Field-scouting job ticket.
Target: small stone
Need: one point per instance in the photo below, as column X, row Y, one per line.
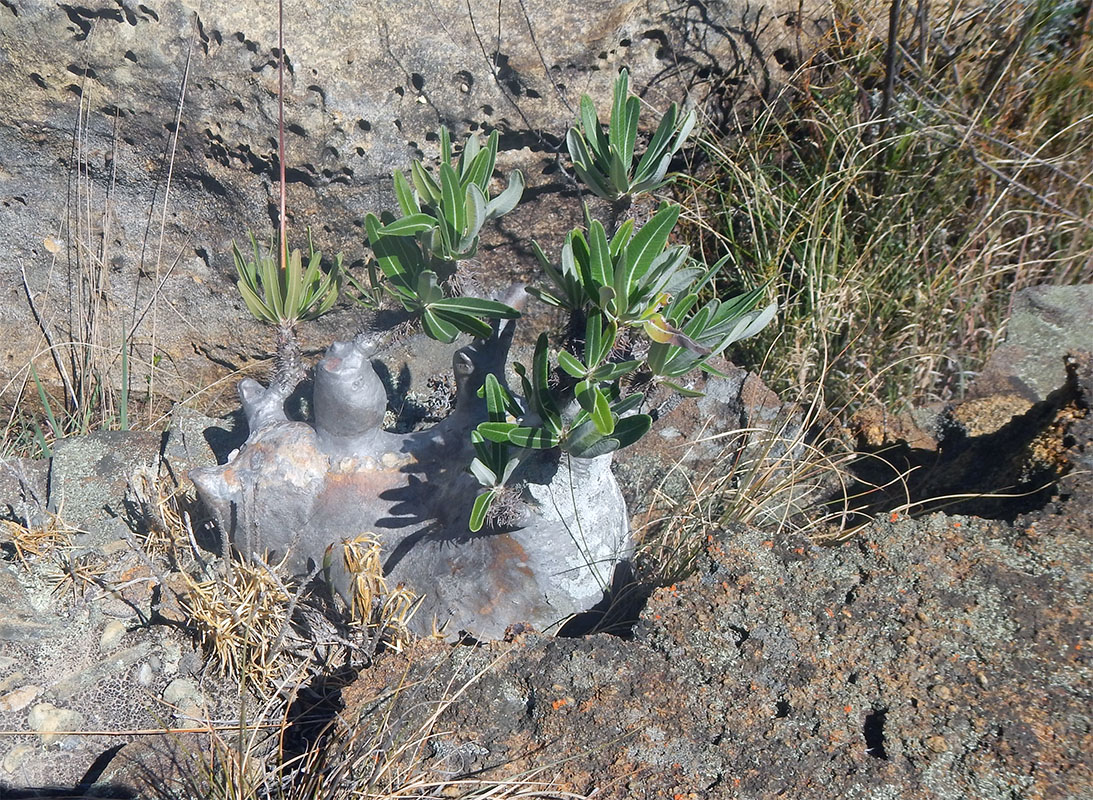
column 6, row 662
column 20, row 698
column 111, row 635
column 48, row 721
column 937, row 744
column 145, row 674
column 182, row 693
column 14, row 679
column 15, row 758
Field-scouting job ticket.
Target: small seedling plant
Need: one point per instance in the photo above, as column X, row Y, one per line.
column 641, row 311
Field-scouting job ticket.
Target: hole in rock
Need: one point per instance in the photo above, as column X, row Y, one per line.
column 873, row 731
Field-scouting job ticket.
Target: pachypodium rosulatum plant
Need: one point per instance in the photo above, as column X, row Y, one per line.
column 285, row 295
column 417, row 254
column 634, row 299
column 605, row 161
column 282, row 292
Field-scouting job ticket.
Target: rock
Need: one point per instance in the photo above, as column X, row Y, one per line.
column 184, row 698
column 89, row 475
column 20, row 698
column 1047, row 322
column 361, row 99
column 112, row 634
column 20, row 622
column 53, row 723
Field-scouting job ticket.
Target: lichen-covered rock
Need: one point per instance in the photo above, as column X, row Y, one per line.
column 140, row 139
column 299, row 491
column 944, row 657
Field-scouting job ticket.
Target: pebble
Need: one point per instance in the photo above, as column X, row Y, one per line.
column 182, row 693
column 11, row 680
column 20, row 698
column 46, row 719
column 111, row 635
column 15, row 758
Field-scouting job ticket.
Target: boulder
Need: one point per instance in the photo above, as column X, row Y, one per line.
column 139, row 142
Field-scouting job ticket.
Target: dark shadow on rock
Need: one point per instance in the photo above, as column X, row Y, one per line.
column 619, row 610
column 224, row 440
column 1000, row 475
column 313, row 711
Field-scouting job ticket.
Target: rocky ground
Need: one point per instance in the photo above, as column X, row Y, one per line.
column 928, row 655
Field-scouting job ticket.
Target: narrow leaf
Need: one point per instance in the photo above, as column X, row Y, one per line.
column 479, row 510
column 570, row 364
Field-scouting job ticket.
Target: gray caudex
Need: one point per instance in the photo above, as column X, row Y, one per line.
column 298, row 491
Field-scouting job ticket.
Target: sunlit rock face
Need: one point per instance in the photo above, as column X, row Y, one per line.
column 294, row 490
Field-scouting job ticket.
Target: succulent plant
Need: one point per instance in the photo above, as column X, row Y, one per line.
column 605, row 161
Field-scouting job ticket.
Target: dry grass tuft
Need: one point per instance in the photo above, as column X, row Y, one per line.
column 37, row 541
column 897, row 243
column 242, row 619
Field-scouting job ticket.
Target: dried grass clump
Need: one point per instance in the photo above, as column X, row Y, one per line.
column 242, row 619
column 385, row 612
column 37, row 541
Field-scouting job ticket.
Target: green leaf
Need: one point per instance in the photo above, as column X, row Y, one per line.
column 477, row 307
column 404, row 193
column 385, row 248
column 540, row 380
column 618, row 172
column 629, row 429
column 592, row 130
column 480, row 510
column 484, row 475
column 627, row 404
column 427, row 187
column 445, row 144
column 534, row 438
column 629, row 131
column 507, row 200
column 683, row 390
column 451, row 200
column 496, row 407
column 570, row 364
column 593, row 400
column 409, row 225
column 467, row 159
column 475, row 203
column 658, row 144
column 600, row 267
column 650, row 241
column 496, row 431
column 437, row 328
column 617, row 125
column 612, row 372
column 465, row 322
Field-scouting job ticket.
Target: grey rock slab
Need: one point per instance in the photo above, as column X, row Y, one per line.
column 89, row 474
column 20, row 621
column 1047, row 323
column 366, row 87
